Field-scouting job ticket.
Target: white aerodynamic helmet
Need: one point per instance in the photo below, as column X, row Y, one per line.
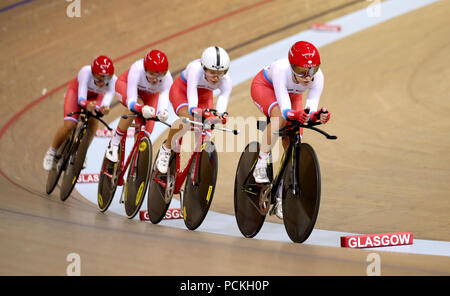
column 215, row 58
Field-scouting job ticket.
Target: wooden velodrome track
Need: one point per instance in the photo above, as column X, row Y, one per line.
column 387, row 88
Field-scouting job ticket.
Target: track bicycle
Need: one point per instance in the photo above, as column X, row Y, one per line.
column 138, row 164
column 299, row 179
column 199, row 176
column 70, row 156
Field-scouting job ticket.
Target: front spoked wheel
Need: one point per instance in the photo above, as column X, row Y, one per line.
column 138, row 177
column 301, row 206
column 107, row 183
column 246, row 193
column 75, row 163
column 60, row 162
column 200, row 185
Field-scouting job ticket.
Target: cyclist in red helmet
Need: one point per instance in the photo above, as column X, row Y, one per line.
column 92, row 89
column 277, row 92
column 143, row 89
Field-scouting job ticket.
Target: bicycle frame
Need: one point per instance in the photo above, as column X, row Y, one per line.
column 292, row 152
column 254, row 188
column 64, row 157
column 82, row 124
column 291, row 131
column 84, row 119
column 123, row 167
column 181, row 174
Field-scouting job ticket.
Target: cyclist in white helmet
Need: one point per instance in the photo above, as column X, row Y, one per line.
column 192, row 92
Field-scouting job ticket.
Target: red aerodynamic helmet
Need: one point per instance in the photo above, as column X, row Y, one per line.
column 304, row 58
column 156, row 61
column 102, row 66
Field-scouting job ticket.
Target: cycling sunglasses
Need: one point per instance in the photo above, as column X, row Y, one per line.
column 102, row 78
column 304, row 71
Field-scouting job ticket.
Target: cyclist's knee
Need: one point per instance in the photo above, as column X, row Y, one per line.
column 92, row 124
column 285, row 142
column 176, row 125
column 184, row 112
column 69, row 125
column 276, row 118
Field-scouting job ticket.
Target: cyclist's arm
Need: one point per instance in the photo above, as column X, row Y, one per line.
column 224, row 97
column 314, row 93
column 193, row 75
column 132, row 89
column 83, row 79
column 109, row 95
column 163, row 102
column 279, row 79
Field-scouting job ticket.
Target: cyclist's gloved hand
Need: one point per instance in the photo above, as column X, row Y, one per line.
column 323, row 115
column 136, row 108
column 210, row 117
column 298, row 115
column 163, row 115
column 207, row 116
column 83, row 103
column 148, row 112
column 100, row 110
column 91, row 107
column 224, row 117
column 104, row 110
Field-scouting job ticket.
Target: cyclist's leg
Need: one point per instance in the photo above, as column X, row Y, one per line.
column 150, row 99
column 124, row 124
column 205, row 100
column 263, row 95
column 62, row 133
column 92, row 126
column 297, row 104
column 70, row 123
column 277, row 121
column 178, row 129
column 178, row 98
column 93, row 123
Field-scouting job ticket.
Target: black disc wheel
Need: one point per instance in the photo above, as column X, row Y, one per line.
column 200, row 185
column 138, row 177
column 246, row 193
column 75, row 163
column 301, row 204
